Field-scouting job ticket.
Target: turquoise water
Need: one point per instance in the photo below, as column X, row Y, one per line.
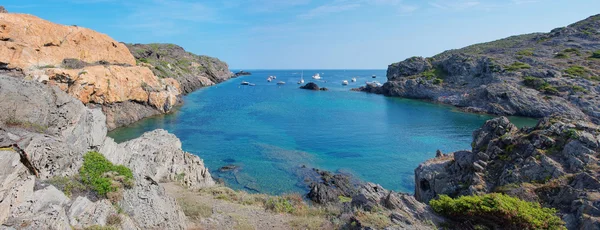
column 269, row 131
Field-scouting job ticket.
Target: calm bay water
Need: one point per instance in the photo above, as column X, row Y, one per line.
column 269, row 130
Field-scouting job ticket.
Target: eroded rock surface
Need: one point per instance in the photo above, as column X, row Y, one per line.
column 54, row 131
column 88, row 65
column 554, row 163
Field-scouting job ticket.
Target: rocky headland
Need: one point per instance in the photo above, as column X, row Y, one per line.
column 533, row 75
column 102, row 72
column 172, row 61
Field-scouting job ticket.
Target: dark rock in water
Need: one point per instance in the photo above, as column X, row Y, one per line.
column 228, row 168
column 312, row 86
column 242, row 73
column 3, row 10
column 369, row 88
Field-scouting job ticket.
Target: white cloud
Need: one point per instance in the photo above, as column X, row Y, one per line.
column 454, row 4
column 329, row 9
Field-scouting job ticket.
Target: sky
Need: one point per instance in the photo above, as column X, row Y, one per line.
column 311, row 34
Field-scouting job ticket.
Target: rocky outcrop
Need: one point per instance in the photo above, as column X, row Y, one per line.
column 313, row 86
column 53, row 131
column 88, row 65
column 172, row 61
column 242, row 73
column 554, row 163
column 534, row 75
column 348, row 193
column 3, row 10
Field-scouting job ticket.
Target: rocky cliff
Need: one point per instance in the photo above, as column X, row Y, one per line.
column 86, row 64
column 554, row 163
column 44, row 134
column 172, row 61
column 532, row 75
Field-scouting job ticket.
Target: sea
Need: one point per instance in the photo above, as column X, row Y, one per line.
column 267, row 131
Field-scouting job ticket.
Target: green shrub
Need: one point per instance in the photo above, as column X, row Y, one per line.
column 517, row 66
column 438, row 81
column 279, row 205
column 102, row 176
column 344, row 199
column 434, row 73
column 533, row 82
column 499, row 208
column 577, row 88
column 596, row 54
column 562, row 56
column 571, row 50
column 576, row 70
column 526, row 52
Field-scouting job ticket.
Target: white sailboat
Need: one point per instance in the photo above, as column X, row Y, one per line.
column 345, row 82
column 301, row 78
column 353, row 79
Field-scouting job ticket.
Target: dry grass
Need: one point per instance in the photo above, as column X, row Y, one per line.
column 195, row 210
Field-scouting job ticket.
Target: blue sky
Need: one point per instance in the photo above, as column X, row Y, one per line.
column 304, row 34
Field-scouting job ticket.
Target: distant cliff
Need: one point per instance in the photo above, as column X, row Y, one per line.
column 172, row 61
column 532, row 75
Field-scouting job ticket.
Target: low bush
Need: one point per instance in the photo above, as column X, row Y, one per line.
column 526, row 52
column 577, row 71
column 68, row 185
column 500, row 209
column 103, row 177
column 561, row 56
column 596, row 54
column 438, row 81
column 517, row 66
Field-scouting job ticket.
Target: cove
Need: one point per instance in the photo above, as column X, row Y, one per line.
column 269, row 131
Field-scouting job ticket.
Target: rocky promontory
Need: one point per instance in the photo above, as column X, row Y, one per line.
column 172, row 61
column 533, row 75
column 554, row 163
column 313, row 86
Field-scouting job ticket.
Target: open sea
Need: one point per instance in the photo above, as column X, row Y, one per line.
column 268, row 131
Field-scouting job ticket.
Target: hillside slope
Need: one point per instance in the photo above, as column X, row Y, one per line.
column 172, row 61
column 532, row 75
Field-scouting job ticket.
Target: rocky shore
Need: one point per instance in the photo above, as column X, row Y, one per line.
column 533, row 75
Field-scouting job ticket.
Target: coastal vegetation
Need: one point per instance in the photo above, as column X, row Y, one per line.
column 106, row 179
column 498, row 209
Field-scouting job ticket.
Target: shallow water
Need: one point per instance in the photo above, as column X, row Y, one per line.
column 269, row 130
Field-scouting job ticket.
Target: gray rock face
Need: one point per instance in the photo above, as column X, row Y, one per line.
column 54, row 131
column 168, row 162
column 126, row 113
column 534, row 75
column 190, row 70
column 554, row 163
column 3, row 10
